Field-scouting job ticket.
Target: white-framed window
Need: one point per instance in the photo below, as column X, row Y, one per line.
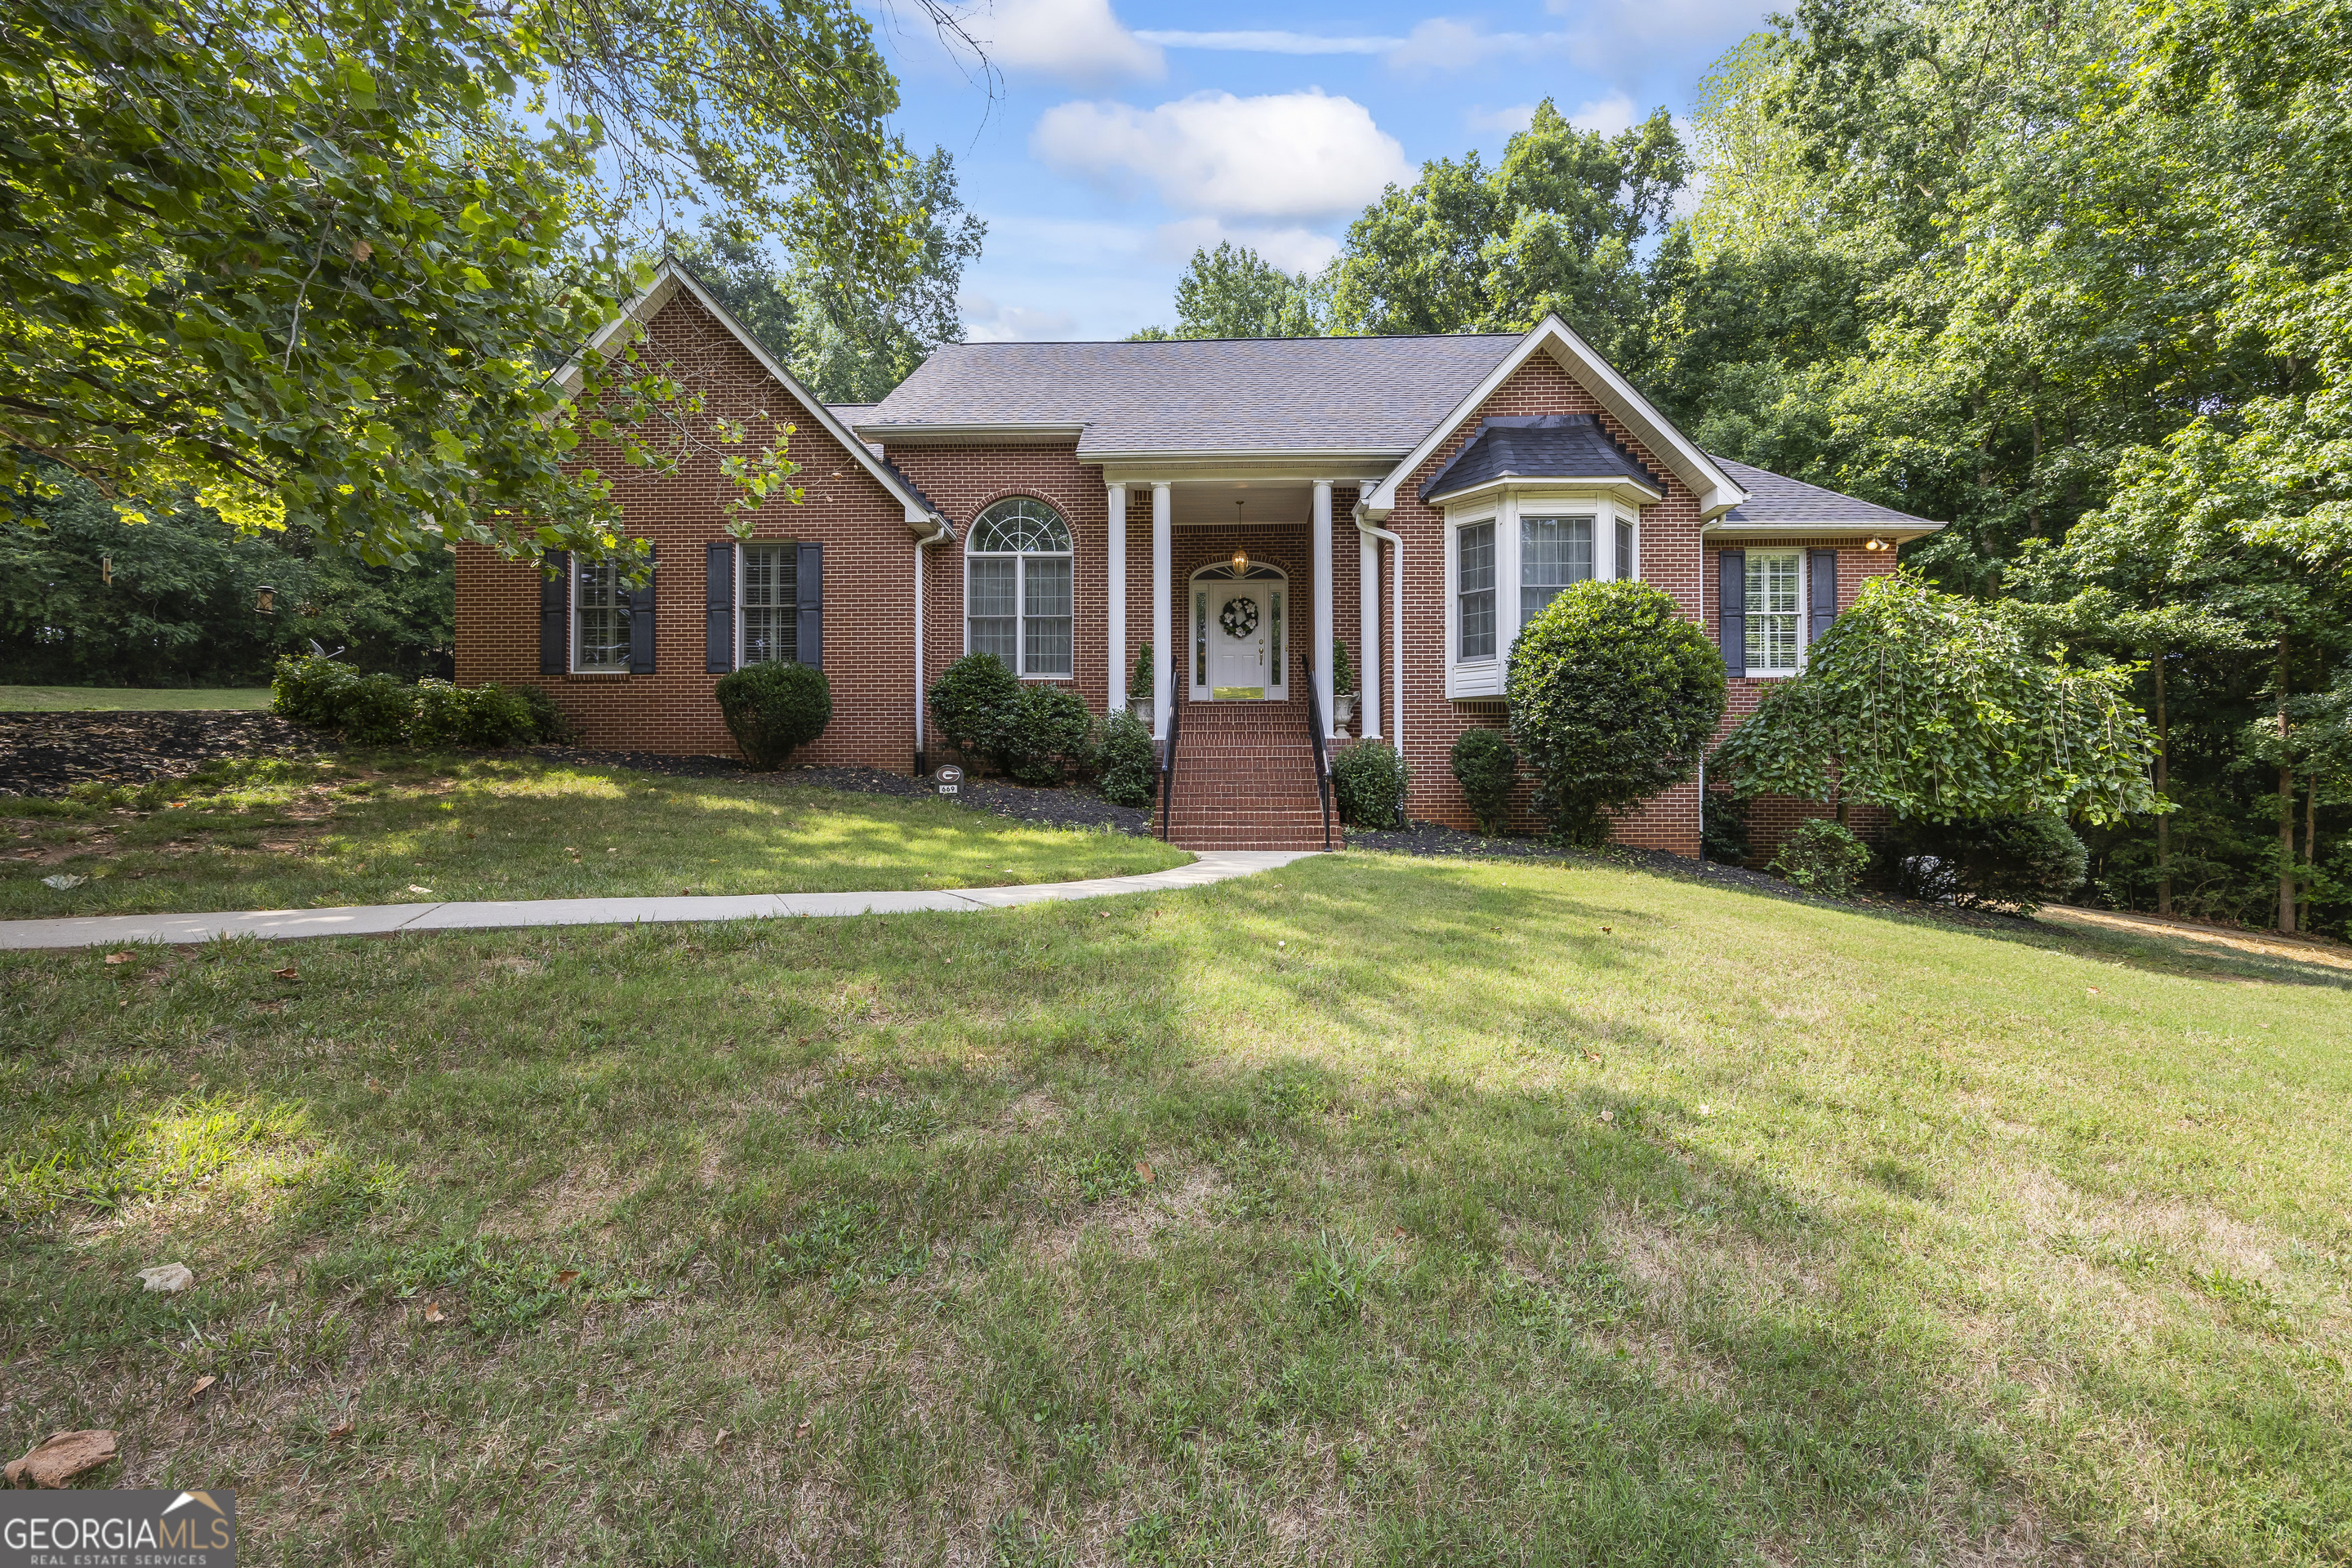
column 600, row 619
column 1628, row 552
column 1775, row 611
column 1474, row 577
column 1554, row 553
column 767, row 605
column 1017, row 588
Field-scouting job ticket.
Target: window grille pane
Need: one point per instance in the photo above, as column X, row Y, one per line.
column 1200, row 638
column 602, row 629
column 1475, row 582
column 1278, row 674
column 1046, row 587
column 1554, row 552
column 1047, row 650
column 770, row 617
column 1773, row 596
column 1628, row 569
column 1019, row 525
column 993, row 603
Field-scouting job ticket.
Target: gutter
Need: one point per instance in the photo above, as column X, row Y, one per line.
column 941, row 533
column 1396, row 621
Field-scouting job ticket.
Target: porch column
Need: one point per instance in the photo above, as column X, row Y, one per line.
column 1115, row 563
column 1368, row 636
column 1321, row 647
column 1163, row 636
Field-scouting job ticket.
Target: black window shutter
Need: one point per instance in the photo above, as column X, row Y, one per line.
column 555, row 614
column 641, row 624
column 810, row 639
column 1731, row 629
column 718, row 640
column 1821, row 566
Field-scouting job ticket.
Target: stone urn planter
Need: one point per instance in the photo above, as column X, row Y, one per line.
column 1140, row 707
column 1343, row 709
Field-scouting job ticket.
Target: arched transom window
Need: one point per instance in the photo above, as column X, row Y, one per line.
column 1017, row 587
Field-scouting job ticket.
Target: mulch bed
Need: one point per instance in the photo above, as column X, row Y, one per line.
column 47, row 754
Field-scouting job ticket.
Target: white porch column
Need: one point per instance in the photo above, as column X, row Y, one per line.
column 1115, row 564
column 1163, row 636
column 1321, row 646
column 1368, row 636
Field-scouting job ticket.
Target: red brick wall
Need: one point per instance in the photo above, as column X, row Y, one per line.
column 1772, row 817
column 868, row 653
column 1671, row 558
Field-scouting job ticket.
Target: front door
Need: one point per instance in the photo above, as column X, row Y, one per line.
column 1241, row 628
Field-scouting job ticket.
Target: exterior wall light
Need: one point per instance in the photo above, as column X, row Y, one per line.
column 1876, row 542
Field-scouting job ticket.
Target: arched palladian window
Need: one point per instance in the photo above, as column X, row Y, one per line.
column 1017, row 587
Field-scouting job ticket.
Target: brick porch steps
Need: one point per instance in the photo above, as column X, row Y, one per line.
column 1245, row 778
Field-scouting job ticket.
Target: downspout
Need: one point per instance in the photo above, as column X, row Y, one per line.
column 939, row 534
column 1396, row 623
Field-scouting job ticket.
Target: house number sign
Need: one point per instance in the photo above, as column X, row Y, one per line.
column 950, row 779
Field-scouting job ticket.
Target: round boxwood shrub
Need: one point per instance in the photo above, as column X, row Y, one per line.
column 971, row 702
column 1822, row 856
column 1486, row 767
column 2016, row 862
column 1368, row 781
column 488, row 716
column 1047, row 734
column 1127, row 765
column 1614, row 696
column 549, row 725
column 773, row 710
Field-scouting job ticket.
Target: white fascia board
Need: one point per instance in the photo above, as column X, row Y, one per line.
column 1894, row 531
column 667, row 281
column 1356, row 467
column 1615, row 486
column 1715, row 489
column 1011, row 434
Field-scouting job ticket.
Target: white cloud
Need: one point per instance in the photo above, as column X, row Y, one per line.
column 1607, row 115
column 986, row 322
column 1270, row 42
column 1508, row 120
column 1286, row 155
column 1603, row 33
column 1290, row 247
column 1076, row 40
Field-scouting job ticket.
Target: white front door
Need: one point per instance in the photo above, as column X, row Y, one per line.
column 1241, row 629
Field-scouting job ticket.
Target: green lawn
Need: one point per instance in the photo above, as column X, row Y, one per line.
column 1371, row 1210
column 398, row 828
column 113, row 698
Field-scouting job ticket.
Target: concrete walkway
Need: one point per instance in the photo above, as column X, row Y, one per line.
column 386, row 919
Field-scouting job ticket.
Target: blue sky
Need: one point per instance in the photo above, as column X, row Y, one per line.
column 1126, row 132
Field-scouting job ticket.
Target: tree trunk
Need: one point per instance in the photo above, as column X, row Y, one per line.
column 2310, row 844
column 2286, row 806
column 2163, row 780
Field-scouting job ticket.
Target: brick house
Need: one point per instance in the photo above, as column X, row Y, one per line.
column 1237, row 505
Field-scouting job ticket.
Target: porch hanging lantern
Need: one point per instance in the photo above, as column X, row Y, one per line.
column 1241, row 562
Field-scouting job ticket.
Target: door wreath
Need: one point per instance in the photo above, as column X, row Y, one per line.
column 1239, row 617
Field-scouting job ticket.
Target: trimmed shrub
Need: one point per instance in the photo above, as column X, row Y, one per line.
column 1822, row 856
column 306, row 688
column 549, row 725
column 1368, row 781
column 377, row 710
column 1486, row 767
column 2015, row 862
column 1723, row 827
column 1614, row 696
column 1047, row 735
column 774, row 710
column 971, row 702
column 1139, row 684
column 488, row 716
column 1127, row 765
column 1343, row 674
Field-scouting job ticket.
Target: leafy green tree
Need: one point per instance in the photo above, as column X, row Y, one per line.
column 1932, row 707
column 1234, row 292
column 1614, row 694
column 1554, row 227
column 310, row 262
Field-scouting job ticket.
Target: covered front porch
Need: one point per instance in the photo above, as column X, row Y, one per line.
column 1244, row 582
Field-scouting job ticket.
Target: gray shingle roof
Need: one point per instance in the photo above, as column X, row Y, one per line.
column 1538, row 446
column 1220, row 395
column 1776, row 497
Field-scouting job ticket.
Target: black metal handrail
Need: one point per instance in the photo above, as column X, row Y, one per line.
column 1322, row 757
column 1167, row 753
